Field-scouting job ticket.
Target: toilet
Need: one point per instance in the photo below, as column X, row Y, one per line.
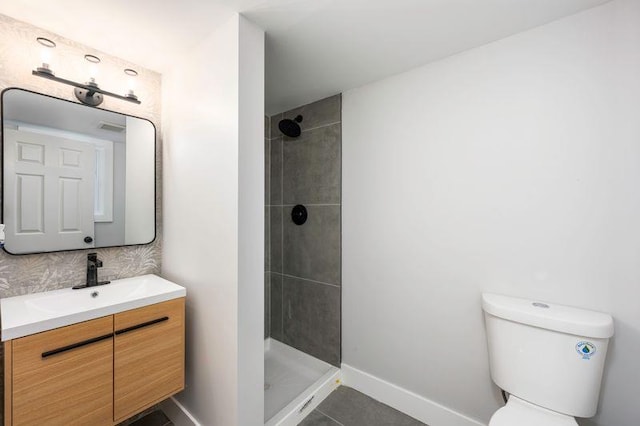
column 549, row 359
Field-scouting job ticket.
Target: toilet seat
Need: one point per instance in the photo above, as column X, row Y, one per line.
column 519, row 412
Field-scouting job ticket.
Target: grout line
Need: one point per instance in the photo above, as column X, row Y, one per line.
column 308, row 130
column 320, row 127
column 282, row 235
column 268, row 209
column 313, row 205
column 307, row 279
column 326, row 415
column 306, row 204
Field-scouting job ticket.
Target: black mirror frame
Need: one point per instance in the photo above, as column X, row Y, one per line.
column 155, row 172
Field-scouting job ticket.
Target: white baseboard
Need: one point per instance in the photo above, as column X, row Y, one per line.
column 176, row 412
column 414, row 405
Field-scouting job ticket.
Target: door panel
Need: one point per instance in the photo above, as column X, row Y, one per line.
column 30, row 202
column 48, row 192
column 70, row 205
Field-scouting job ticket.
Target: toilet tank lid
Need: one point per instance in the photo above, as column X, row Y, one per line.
column 565, row 319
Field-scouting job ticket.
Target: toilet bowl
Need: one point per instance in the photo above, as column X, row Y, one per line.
column 549, row 358
column 519, row 412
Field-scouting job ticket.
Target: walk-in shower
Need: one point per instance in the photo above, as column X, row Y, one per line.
column 302, row 259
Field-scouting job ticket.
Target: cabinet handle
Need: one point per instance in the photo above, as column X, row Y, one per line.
column 144, row 324
column 76, row 345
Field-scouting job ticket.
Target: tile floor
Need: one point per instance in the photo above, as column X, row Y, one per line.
column 344, row 407
column 154, row 418
column 348, row 407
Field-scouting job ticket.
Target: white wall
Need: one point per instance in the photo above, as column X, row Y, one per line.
column 213, row 149
column 512, row 168
column 251, row 225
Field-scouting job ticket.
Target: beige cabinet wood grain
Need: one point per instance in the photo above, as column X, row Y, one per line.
column 98, row 372
column 64, row 376
column 149, row 356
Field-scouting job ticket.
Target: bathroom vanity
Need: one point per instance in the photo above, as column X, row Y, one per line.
column 94, row 356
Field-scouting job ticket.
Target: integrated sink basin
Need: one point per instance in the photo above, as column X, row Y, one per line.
column 34, row 313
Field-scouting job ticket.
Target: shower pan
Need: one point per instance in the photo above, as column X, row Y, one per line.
column 295, row 383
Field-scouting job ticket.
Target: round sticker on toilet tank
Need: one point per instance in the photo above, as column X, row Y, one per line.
column 586, row 349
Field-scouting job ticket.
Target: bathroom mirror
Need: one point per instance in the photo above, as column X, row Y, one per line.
column 74, row 177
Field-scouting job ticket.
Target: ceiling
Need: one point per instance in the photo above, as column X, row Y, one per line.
column 315, row 48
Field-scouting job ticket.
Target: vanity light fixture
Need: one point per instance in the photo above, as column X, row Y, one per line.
column 132, row 83
column 46, row 51
column 93, row 61
column 88, row 93
column 90, row 96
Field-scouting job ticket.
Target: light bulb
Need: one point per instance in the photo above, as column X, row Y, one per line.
column 93, row 67
column 46, row 54
column 131, row 82
column 93, row 71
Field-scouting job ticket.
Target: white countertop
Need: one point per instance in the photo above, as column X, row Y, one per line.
column 37, row 312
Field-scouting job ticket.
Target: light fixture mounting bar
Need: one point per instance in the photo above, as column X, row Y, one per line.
column 88, row 88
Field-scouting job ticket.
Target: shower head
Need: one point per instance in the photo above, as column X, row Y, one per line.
column 290, row 127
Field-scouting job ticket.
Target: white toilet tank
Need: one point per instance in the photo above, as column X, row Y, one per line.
column 549, row 355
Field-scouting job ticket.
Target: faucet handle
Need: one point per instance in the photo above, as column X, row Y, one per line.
column 93, row 258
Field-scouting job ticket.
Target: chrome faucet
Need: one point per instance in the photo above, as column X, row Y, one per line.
column 93, row 263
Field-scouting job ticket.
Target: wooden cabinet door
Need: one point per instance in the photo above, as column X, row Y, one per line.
column 149, row 356
column 64, row 376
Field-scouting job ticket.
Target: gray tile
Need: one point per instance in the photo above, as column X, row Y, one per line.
column 275, row 178
column 155, row 418
column 319, row 113
column 267, row 238
column 353, row 408
column 267, row 171
column 316, row 418
column 275, row 238
column 311, row 167
column 267, row 304
column 311, row 321
column 276, row 306
column 312, row 250
column 274, row 132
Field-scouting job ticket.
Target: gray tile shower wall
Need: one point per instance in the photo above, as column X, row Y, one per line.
column 18, row 56
column 304, row 261
column 311, row 318
column 312, row 251
column 277, row 316
column 267, row 230
column 311, row 167
column 275, row 230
